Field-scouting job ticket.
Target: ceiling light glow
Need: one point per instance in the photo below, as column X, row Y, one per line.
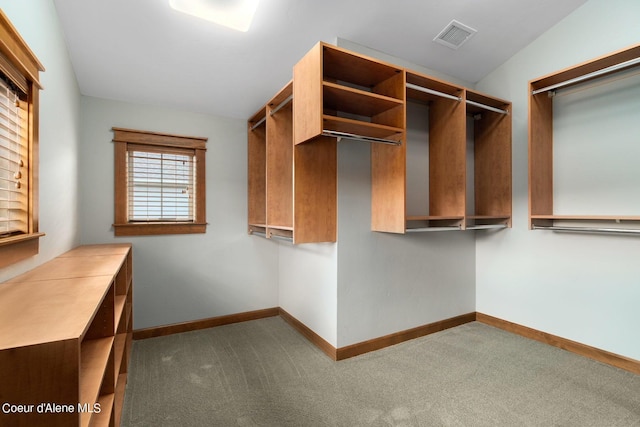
column 236, row 14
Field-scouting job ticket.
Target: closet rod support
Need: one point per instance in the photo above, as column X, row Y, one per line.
column 432, row 92
column 345, row 135
column 487, row 107
column 282, row 104
column 592, row 75
column 587, row 229
column 259, row 122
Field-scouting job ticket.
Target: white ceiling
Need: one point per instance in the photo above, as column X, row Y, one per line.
column 143, row 51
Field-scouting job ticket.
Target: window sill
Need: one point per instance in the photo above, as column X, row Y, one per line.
column 155, row 228
column 17, row 248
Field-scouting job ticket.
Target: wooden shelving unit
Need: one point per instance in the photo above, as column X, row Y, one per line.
column 340, row 91
column 292, row 189
column 338, row 94
column 541, row 91
column 65, row 338
column 447, row 189
column 491, row 161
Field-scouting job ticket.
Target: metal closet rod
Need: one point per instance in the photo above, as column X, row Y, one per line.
column 426, row 229
column 282, row 104
column 486, row 226
column 588, row 76
column 336, row 134
column 259, row 122
column 487, row 107
column 587, row 229
column 273, row 236
column 433, row 92
column 275, row 110
column 455, row 98
column 278, row 237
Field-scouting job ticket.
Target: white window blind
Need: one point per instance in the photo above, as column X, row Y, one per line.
column 13, row 164
column 161, row 185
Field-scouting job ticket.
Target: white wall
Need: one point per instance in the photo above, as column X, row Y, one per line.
column 181, row 277
column 582, row 287
column 388, row 282
column 37, row 23
column 308, row 286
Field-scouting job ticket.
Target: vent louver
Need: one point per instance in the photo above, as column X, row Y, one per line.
column 454, row 35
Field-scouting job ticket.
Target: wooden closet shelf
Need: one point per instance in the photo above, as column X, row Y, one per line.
column 355, row 101
column 342, row 65
column 106, row 407
column 357, row 127
column 94, row 356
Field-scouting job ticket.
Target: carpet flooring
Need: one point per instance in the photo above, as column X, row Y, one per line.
column 263, row 373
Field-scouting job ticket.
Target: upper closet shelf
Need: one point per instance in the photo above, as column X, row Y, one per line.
column 597, row 68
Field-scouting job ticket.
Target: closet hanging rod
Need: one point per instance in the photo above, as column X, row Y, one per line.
column 487, row 107
column 486, row 226
column 425, row 229
column 598, row 73
column 259, row 122
column 587, row 229
column 273, row 236
column 282, row 104
column 336, row 134
column 433, row 92
column 278, row 237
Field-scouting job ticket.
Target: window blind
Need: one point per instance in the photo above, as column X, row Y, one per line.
column 13, row 160
column 161, row 185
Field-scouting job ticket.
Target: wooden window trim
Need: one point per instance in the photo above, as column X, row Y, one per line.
column 125, row 137
column 25, row 64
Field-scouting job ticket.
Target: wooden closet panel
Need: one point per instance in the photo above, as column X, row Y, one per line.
column 315, row 191
column 388, row 187
column 257, row 153
column 492, row 164
column 540, row 154
column 50, row 368
column 307, row 92
column 280, row 167
column 447, row 161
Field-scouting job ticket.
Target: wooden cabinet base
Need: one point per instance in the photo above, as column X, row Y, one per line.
column 65, row 331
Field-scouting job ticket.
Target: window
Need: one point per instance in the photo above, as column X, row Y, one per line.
column 19, row 95
column 159, row 183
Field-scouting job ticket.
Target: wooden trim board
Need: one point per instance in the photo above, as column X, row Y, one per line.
column 194, row 325
column 315, row 339
column 402, row 336
column 346, row 352
column 596, row 354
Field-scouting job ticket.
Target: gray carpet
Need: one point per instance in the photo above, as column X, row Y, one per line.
column 263, row 373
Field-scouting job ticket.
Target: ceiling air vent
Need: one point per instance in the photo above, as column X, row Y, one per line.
column 454, row 35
